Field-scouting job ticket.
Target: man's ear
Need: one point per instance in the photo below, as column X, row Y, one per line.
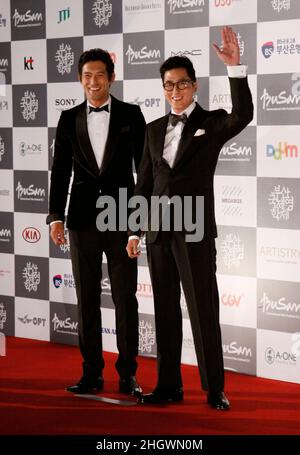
column 113, row 77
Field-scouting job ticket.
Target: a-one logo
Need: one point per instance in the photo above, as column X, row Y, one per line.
column 32, row 277
column 187, row 53
column 30, row 193
column 281, row 203
column 30, row 149
column 37, row 321
column 57, row 281
column 63, row 15
column 279, row 306
column 31, row 234
column 28, row 63
column 185, row 6
column 143, row 55
column 146, row 336
column 28, row 19
column 29, row 105
column 279, row 5
column 267, row 49
column 283, row 101
column 3, row 21
column 5, row 235
column 2, row 316
column 233, row 251
column 237, row 350
column 147, row 102
column 235, row 152
column 102, row 10
column 2, row 148
column 231, row 300
column 283, row 357
column 64, row 325
column 65, row 59
column 283, row 150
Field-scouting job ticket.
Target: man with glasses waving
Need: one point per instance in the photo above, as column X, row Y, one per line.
column 180, row 156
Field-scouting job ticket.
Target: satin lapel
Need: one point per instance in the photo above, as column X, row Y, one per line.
column 193, row 123
column 84, row 140
column 113, row 134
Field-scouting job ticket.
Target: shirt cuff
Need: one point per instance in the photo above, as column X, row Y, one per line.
column 133, row 237
column 55, row 222
column 238, row 71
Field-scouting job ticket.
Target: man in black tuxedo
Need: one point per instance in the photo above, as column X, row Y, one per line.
column 180, row 155
column 98, row 140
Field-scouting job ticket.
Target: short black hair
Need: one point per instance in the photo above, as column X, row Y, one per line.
column 178, row 62
column 94, row 55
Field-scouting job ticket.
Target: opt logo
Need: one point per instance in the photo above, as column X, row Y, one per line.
column 57, row 280
column 267, row 49
column 31, row 235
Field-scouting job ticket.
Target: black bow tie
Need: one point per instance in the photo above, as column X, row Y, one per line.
column 174, row 119
column 98, row 109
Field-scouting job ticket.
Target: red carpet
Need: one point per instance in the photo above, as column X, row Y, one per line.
column 33, row 401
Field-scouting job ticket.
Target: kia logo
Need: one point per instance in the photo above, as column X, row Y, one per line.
column 31, row 234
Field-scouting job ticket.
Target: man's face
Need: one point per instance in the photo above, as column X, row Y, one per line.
column 95, row 82
column 179, row 99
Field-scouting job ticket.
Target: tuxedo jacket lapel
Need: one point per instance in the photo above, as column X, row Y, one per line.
column 113, row 134
column 84, row 140
column 158, row 136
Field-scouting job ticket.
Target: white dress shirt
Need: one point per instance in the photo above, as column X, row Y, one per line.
column 97, row 125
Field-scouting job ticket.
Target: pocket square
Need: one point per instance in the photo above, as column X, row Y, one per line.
column 199, row 132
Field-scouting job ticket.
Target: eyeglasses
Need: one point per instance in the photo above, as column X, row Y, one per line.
column 181, row 85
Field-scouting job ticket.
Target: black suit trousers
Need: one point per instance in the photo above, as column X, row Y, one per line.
column 87, row 247
column 171, row 260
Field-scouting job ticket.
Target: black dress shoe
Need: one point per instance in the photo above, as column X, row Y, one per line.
column 159, row 396
column 218, row 401
column 85, row 385
column 129, row 386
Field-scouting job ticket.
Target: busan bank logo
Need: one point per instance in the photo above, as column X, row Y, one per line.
column 102, row 10
column 28, row 19
column 142, row 56
column 267, row 49
column 185, row 6
column 280, row 357
column 281, row 203
column 282, row 151
column 57, row 281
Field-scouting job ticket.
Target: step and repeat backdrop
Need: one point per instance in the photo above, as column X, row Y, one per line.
column 257, row 183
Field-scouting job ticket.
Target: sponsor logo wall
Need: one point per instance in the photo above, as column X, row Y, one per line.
column 257, row 177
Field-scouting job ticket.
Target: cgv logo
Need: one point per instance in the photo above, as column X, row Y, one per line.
column 283, row 150
column 231, row 300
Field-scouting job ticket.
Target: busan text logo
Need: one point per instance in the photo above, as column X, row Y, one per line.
column 30, row 193
column 142, row 56
column 282, row 357
column 147, row 102
column 283, row 101
column 2, row 148
column 102, row 10
column 279, row 5
column 235, row 152
column 283, row 150
column 64, row 325
column 31, row 235
column 233, row 251
column 29, row 105
column 63, row 15
column 267, row 49
column 186, row 6
column 32, row 277
column 57, row 281
column 282, row 203
column 30, row 149
column 146, row 337
column 29, row 19
column 2, row 316
column 3, row 21
column 5, row 235
column 64, row 58
column 234, row 350
column 279, row 307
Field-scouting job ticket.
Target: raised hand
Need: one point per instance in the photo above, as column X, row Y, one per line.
column 229, row 54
